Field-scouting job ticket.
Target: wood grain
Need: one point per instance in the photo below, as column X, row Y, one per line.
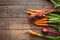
column 17, row 35
column 14, row 21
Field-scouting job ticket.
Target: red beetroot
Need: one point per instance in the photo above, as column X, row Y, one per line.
column 44, row 30
column 49, row 32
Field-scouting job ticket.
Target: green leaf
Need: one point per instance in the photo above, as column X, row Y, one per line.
column 53, row 18
column 57, row 5
column 53, row 1
column 57, row 1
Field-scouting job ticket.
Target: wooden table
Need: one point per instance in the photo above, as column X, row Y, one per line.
column 14, row 21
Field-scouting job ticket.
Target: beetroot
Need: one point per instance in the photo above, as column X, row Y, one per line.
column 49, row 32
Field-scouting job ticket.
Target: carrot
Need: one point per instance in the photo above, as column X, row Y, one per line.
column 43, row 24
column 31, row 32
column 44, row 20
column 40, row 22
column 29, row 12
column 32, row 10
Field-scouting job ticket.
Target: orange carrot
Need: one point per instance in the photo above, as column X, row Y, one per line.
column 31, row 32
column 39, row 21
column 32, row 10
column 45, row 19
column 29, row 12
column 42, row 19
column 42, row 24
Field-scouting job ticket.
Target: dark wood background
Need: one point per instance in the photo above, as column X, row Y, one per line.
column 14, row 21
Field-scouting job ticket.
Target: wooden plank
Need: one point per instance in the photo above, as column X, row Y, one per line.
column 17, row 35
column 16, row 23
column 43, row 2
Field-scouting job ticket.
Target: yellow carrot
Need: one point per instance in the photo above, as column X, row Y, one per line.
column 31, row 32
column 32, row 10
column 29, row 12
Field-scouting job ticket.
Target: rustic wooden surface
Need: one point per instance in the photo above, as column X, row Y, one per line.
column 14, row 21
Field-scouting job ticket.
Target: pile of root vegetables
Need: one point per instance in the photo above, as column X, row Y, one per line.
column 46, row 18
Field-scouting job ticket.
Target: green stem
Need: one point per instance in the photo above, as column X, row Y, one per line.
column 53, row 18
column 53, row 1
column 56, row 3
column 49, row 37
column 57, row 26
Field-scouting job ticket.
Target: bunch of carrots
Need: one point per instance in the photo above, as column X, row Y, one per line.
column 40, row 17
column 45, row 18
